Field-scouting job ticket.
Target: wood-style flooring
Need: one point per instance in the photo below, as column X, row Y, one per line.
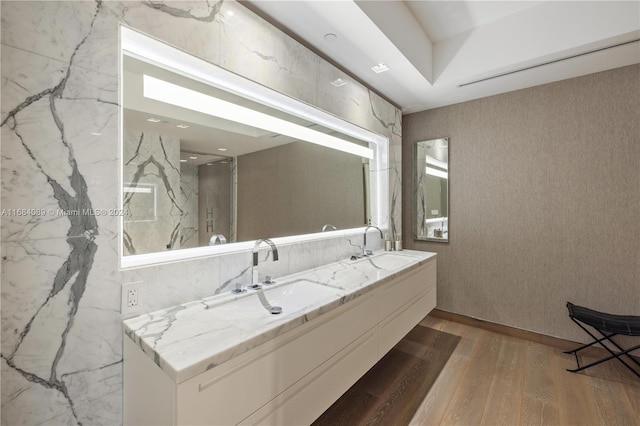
column 392, row 390
column 495, row 379
column 487, row 378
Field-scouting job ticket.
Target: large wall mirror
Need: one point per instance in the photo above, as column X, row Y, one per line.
column 431, row 190
column 212, row 159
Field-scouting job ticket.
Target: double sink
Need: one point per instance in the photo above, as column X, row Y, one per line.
column 298, row 294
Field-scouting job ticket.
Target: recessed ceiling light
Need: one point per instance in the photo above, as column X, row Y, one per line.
column 380, row 68
column 330, row 37
column 222, row 149
column 224, row 162
column 153, row 120
column 96, row 134
column 183, row 161
column 338, row 82
column 209, row 164
column 193, row 157
column 229, row 12
column 182, row 126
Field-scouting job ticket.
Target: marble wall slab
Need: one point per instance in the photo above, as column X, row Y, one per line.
column 61, row 344
column 153, row 198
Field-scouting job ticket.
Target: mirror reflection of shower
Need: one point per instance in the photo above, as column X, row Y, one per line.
column 206, row 188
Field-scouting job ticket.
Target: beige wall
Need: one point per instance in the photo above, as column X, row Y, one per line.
column 296, row 189
column 545, row 201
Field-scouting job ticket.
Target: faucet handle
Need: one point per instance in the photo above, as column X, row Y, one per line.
column 238, row 289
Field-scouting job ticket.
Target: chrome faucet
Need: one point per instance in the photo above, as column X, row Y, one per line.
column 254, row 274
column 327, row 226
column 217, row 239
column 366, row 252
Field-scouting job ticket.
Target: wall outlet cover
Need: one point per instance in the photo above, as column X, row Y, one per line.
column 132, row 298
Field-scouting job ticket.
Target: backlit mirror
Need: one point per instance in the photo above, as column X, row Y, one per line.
column 431, row 190
column 212, row 159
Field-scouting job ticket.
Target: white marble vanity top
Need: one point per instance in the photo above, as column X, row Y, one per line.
column 191, row 338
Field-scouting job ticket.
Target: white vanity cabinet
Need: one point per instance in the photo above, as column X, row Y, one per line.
column 292, row 378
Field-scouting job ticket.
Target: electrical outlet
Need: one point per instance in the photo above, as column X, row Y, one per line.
column 131, row 298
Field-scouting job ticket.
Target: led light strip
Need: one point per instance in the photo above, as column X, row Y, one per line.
column 436, row 162
column 437, row 173
column 174, row 94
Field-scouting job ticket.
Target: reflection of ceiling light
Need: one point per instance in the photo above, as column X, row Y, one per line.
column 222, row 149
column 183, row 161
column 338, row 82
column 182, row 126
column 96, row 134
column 137, row 189
column 209, row 164
column 437, row 173
column 380, row 68
column 436, row 162
column 193, row 157
column 153, row 120
column 224, row 162
column 173, row 94
column 229, row 12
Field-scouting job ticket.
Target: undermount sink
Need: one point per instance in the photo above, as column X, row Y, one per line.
column 290, row 297
column 388, row 261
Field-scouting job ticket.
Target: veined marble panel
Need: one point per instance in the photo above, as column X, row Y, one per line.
column 152, row 197
column 61, row 286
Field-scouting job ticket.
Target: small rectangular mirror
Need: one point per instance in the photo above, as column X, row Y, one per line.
column 431, row 190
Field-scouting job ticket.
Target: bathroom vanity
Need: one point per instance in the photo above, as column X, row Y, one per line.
column 227, row 360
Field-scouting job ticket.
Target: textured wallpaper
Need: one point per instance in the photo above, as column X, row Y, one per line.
column 545, row 201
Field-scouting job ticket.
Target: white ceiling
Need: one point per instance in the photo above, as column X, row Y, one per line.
column 433, row 47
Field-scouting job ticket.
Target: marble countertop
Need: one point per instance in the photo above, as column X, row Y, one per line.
column 188, row 339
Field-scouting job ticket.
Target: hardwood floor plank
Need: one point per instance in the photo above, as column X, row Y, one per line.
column 612, row 385
column 433, row 407
column 539, row 394
column 355, row 404
column 400, row 402
column 575, row 394
column 435, row 404
column 633, row 392
column 468, row 402
column 505, row 394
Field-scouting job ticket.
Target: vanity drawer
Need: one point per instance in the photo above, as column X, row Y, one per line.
column 227, row 393
column 406, row 288
column 398, row 324
column 309, row 398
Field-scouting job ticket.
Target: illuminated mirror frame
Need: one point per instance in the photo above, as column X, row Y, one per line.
column 156, row 52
